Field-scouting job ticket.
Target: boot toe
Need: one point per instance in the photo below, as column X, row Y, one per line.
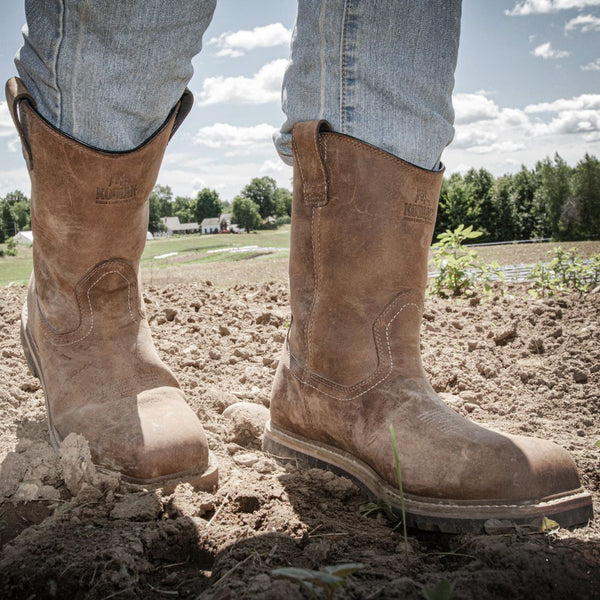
column 148, row 438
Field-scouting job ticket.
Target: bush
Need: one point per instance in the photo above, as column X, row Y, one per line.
column 460, row 269
column 566, row 271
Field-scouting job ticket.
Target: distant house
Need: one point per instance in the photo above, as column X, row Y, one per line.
column 174, row 226
column 212, row 225
column 24, row 237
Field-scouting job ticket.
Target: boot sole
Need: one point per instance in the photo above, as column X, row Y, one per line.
column 430, row 514
column 205, row 480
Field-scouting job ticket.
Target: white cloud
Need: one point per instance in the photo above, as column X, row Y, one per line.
column 546, row 52
column 586, row 23
column 7, row 127
column 14, row 179
column 237, row 43
column 236, row 141
column 540, row 7
column 470, row 108
column 263, row 87
column 582, row 102
column 591, row 66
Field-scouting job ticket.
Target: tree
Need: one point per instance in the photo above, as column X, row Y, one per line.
column 183, row 208
column 155, row 224
column 555, row 196
column 505, row 227
column 479, row 186
column 261, row 190
column 7, row 228
column 163, row 196
column 283, row 202
column 456, row 207
column 586, row 188
column 529, row 218
column 206, row 205
column 245, row 213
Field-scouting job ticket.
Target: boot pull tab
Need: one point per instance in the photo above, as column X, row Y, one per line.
column 308, row 157
column 16, row 92
column 185, row 104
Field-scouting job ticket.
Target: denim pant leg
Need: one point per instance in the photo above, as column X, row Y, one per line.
column 380, row 71
column 108, row 73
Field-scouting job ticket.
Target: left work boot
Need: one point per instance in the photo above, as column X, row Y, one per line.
column 83, row 327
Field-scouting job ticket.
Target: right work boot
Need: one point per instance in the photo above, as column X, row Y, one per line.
column 83, row 327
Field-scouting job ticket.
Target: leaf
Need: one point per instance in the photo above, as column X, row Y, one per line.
column 344, row 569
column 598, row 443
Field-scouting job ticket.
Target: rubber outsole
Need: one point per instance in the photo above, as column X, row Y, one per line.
column 429, row 514
column 201, row 479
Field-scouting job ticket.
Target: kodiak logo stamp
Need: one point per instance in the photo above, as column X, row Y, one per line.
column 118, row 191
column 421, row 209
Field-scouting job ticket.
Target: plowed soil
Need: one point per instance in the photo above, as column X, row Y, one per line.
column 510, row 362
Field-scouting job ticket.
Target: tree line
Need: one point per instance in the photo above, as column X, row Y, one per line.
column 552, row 200
column 260, row 199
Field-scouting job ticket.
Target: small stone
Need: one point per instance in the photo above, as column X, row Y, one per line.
column 536, row 346
column 214, row 355
column 245, row 459
column 580, row 376
column 470, row 407
column 76, row 463
column 224, row 330
column 264, row 465
column 248, row 421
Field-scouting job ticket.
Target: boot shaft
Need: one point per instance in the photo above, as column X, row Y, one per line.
column 362, row 225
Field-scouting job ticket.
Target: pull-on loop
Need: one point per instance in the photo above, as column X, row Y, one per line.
column 16, row 92
column 308, row 157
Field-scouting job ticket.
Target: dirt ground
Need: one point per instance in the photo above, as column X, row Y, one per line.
column 513, row 363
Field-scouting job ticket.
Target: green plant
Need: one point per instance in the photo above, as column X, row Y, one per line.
column 11, row 247
column 566, row 271
column 460, row 270
column 327, row 580
column 399, row 476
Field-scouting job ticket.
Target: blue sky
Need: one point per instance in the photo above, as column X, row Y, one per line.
column 527, row 86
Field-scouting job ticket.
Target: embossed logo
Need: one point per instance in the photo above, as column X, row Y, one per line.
column 119, row 191
column 421, row 209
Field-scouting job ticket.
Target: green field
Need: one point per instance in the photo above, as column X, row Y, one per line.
column 193, row 257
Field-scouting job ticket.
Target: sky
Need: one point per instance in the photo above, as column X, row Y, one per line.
column 527, row 86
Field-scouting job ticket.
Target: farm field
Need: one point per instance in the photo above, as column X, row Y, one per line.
column 220, row 326
column 187, row 258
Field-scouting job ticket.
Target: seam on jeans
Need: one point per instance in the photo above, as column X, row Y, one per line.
column 59, row 103
column 343, row 67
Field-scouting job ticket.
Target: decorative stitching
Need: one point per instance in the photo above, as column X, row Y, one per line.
column 52, row 335
column 364, row 382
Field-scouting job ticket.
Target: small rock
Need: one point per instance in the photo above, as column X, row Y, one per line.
column 248, row 421
column 214, row 355
column 76, row 462
column 224, row 330
column 505, row 335
column 580, row 376
column 245, row 459
column 264, row 465
column 469, row 407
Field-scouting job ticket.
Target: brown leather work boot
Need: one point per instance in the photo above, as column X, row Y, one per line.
column 83, row 327
column 362, row 225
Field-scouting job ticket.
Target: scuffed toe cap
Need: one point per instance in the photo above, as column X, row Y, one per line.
column 153, row 436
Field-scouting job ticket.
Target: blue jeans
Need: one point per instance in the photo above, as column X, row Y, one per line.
column 108, row 73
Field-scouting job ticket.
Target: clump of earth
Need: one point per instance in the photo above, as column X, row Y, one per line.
column 508, row 361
